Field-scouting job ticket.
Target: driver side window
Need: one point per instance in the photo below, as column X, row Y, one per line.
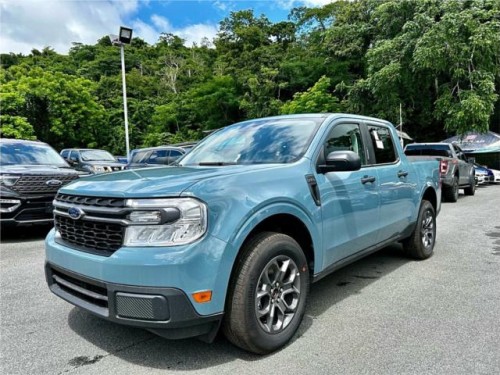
column 346, row 137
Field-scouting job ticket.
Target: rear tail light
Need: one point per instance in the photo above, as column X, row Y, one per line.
column 443, row 166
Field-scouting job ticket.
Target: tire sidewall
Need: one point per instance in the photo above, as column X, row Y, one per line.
column 281, row 245
column 426, row 207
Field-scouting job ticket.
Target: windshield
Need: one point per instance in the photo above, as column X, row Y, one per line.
column 96, row 155
column 29, row 154
column 256, row 142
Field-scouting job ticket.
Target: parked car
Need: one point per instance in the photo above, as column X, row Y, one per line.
column 91, row 160
column 121, row 159
column 157, row 156
column 456, row 170
column 483, row 174
column 496, row 176
column 31, row 172
column 234, row 234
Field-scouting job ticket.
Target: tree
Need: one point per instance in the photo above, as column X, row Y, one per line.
column 316, row 99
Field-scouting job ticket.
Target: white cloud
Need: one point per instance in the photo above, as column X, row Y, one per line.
column 35, row 24
column 289, row 4
column 25, row 25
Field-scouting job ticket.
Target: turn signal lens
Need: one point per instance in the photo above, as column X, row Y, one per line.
column 202, row 297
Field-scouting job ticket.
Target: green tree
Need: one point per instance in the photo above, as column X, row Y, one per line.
column 316, row 99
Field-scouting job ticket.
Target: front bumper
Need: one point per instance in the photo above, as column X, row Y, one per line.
column 159, row 280
column 34, row 210
column 164, row 311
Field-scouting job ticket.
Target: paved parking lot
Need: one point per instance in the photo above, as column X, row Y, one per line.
column 385, row 314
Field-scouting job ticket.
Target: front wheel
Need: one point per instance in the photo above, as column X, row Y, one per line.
column 267, row 297
column 420, row 245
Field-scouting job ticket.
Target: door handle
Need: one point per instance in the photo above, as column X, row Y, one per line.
column 367, row 179
column 402, row 174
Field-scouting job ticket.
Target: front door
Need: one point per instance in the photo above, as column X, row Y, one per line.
column 349, row 200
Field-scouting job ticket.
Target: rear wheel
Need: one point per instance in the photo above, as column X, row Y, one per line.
column 471, row 189
column 451, row 192
column 420, row 245
column 267, row 297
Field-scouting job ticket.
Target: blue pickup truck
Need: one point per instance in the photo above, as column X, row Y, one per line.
column 233, row 234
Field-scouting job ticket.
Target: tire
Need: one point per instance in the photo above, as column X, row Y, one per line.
column 267, row 295
column 471, row 189
column 420, row 245
column 451, row 192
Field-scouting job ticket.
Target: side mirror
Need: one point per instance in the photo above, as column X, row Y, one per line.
column 341, row 161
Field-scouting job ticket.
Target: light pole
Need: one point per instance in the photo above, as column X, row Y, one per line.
column 124, row 37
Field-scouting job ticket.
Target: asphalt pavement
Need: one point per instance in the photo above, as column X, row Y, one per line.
column 385, row 314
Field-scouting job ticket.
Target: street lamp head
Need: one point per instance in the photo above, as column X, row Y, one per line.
column 125, row 35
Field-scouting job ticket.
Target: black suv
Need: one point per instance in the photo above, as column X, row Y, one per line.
column 31, row 172
column 158, row 156
column 91, row 160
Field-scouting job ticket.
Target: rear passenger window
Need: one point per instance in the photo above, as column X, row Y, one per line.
column 382, row 144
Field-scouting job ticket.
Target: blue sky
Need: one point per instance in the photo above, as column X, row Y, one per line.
column 28, row 24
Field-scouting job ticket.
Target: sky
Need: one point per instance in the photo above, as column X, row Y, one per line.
column 36, row 24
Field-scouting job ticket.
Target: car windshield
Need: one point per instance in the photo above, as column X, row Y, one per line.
column 96, row 155
column 140, row 156
column 29, row 154
column 256, row 142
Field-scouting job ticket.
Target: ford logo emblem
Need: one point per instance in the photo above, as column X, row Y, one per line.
column 75, row 213
column 53, row 183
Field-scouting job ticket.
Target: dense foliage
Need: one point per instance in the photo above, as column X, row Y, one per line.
column 438, row 60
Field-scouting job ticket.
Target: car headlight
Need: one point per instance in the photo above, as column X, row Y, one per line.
column 8, row 179
column 98, row 168
column 165, row 222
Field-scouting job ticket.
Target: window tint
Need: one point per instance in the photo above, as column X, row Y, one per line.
column 64, row 153
column 175, row 154
column 158, row 157
column 382, row 144
column 346, row 137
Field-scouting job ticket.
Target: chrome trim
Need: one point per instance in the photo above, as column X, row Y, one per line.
column 94, row 209
column 96, row 218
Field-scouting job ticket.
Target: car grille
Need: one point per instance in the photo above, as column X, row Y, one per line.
column 99, row 231
column 38, row 184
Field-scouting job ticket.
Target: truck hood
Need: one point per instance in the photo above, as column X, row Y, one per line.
column 152, row 182
column 37, row 170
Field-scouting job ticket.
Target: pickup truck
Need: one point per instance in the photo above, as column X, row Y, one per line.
column 456, row 170
column 232, row 235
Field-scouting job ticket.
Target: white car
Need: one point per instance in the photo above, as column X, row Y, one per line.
column 496, row 176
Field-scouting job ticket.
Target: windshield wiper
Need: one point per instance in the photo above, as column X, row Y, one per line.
column 216, row 163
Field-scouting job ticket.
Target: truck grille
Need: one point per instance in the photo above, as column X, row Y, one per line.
column 99, row 231
column 103, row 237
column 40, row 184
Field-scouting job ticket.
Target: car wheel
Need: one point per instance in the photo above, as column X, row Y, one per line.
column 451, row 192
column 471, row 189
column 420, row 245
column 267, row 296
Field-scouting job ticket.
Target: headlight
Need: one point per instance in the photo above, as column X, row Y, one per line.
column 98, row 168
column 169, row 222
column 8, row 179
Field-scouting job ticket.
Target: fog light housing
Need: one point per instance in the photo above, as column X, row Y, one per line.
column 9, row 205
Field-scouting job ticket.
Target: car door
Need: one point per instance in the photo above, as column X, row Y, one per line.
column 396, row 181
column 463, row 166
column 349, row 200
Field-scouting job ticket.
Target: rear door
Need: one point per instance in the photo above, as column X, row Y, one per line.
column 396, row 183
column 349, row 200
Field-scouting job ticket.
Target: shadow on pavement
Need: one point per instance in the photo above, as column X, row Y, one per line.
column 10, row 234
column 142, row 348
